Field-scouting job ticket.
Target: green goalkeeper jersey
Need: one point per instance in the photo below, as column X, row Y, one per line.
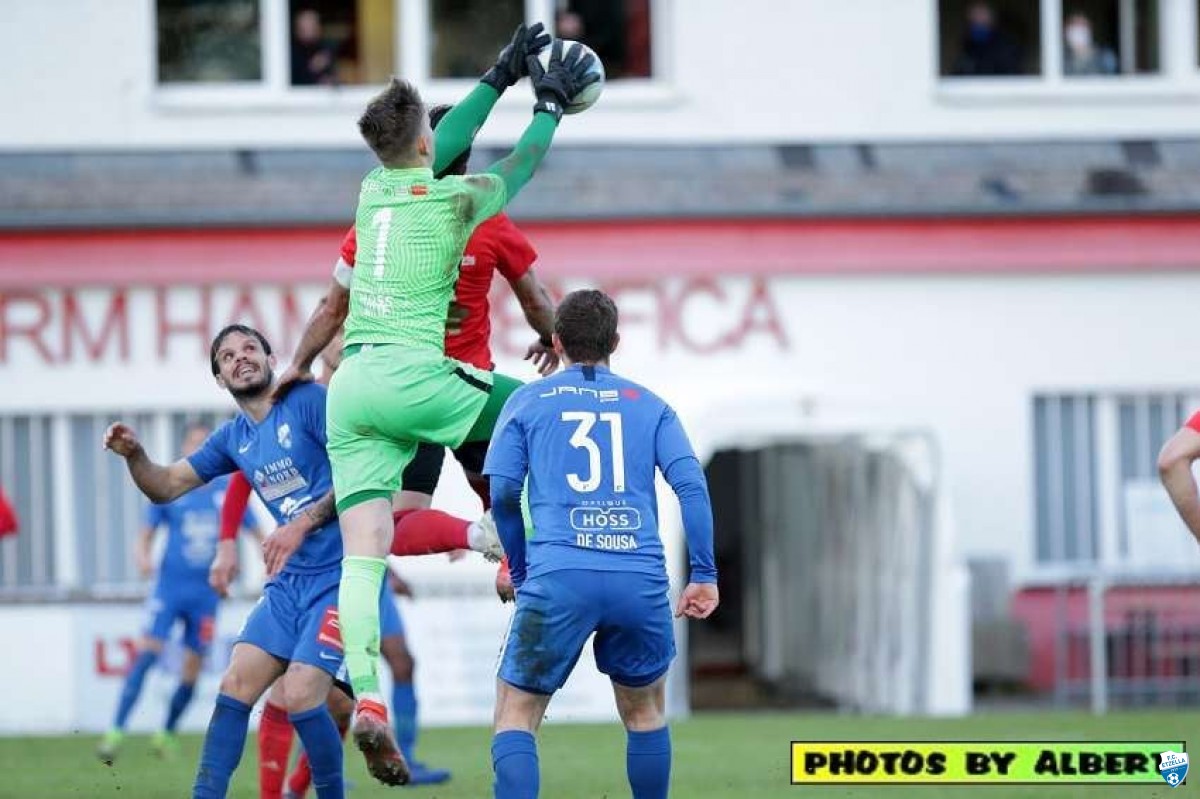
column 411, row 231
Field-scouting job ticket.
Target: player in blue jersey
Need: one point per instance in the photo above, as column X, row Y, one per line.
column 588, row 442
column 293, row 632
column 181, row 594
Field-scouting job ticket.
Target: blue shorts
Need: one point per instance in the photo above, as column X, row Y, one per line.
column 390, row 623
column 556, row 612
column 196, row 607
column 296, row 620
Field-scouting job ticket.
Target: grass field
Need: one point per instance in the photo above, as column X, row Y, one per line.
column 716, row 757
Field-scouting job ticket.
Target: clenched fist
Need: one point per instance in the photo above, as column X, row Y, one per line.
column 121, row 439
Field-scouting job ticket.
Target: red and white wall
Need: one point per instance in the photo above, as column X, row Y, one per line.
column 951, row 326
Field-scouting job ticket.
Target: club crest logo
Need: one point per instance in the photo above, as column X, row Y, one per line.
column 1173, row 766
column 284, row 434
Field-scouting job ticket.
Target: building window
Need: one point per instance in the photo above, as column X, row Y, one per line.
column 1065, row 477
column 618, row 30
column 209, row 41
column 110, row 513
column 1000, row 38
column 1097, row 493
column 27, row 475
column 467, row 34
column 1110, row 37
column 336, row 43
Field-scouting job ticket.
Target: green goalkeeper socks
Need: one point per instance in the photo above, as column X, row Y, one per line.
column 358, row 616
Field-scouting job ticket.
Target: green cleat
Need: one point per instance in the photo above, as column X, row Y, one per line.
column 110, row 744
column 165, row 745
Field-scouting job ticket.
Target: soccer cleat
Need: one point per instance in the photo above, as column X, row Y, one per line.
column 164, row 745
column 110, row 744
column 421, row 774
column 373, row 737
column 489, row 539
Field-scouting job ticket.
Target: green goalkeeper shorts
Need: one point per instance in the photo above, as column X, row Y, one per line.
column 385, row 399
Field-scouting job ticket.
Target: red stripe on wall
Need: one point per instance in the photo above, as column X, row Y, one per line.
column 636, row 249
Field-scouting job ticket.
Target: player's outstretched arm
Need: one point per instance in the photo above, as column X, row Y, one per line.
column 322, row 326
column 159, row 483
column 457, row 129
column 1175, row 471
column 563, row 78
column 681, row 468
column 506, row 512
column 539, row 313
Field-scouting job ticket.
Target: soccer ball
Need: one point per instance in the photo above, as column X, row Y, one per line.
column 590, row 94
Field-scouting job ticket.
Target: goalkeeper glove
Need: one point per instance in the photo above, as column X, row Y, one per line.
column 510, row 64
column 564, row 77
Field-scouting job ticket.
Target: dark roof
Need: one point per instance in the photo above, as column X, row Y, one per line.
column 290, row 187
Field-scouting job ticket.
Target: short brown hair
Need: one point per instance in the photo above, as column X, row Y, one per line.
column 586, row 324
column 392, row 121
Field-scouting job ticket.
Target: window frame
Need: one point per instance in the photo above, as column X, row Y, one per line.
column 1178, row 77
column 413, row 41
column 1112, row 553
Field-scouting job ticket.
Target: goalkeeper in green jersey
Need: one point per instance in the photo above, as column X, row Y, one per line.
column 396, row 387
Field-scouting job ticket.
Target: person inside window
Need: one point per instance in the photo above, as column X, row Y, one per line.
column 313, row 60
column 1082, row 55
column 986, row 49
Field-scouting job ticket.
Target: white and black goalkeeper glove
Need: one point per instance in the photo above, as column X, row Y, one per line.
column 561, row 79
column 510, row 65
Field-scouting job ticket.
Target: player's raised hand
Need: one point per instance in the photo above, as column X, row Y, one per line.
column 698, row 601
column 224, row 568
column 510, row 64
column 544, row 358
column 279, row 545
column 291, row 377
column 121, row 439
column 564, row 76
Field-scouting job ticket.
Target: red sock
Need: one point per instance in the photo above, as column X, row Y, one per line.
column 427, row 532
column 274, row 749
column 302, row 777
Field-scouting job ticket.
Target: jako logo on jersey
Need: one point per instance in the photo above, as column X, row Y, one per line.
column 621, row 517
column 284, row 434
column 604, row 395
column 467, row 260
column 419, row 190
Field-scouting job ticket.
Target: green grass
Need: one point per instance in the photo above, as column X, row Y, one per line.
column 716, row 757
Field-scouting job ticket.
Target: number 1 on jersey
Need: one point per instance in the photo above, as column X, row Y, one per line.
column 580, row 439
column 382, row 220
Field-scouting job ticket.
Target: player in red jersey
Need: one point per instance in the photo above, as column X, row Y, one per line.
column 1175, row 469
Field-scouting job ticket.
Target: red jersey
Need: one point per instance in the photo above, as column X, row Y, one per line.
column 497, row 245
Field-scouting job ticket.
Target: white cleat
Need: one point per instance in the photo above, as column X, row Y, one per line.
column 486, row 539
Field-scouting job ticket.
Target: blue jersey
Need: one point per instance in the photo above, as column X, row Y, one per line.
column 193, row 525
column 284, row 458
column 597, row 439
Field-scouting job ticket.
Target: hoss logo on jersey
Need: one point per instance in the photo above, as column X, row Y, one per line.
column 597, row 519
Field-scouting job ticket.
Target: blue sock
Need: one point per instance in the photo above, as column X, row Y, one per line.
column 323, row 745
column 223, row 745
column 515, row 761
column 179, row 702
column 133, row 686
column 648, row 763
column 404, row 717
